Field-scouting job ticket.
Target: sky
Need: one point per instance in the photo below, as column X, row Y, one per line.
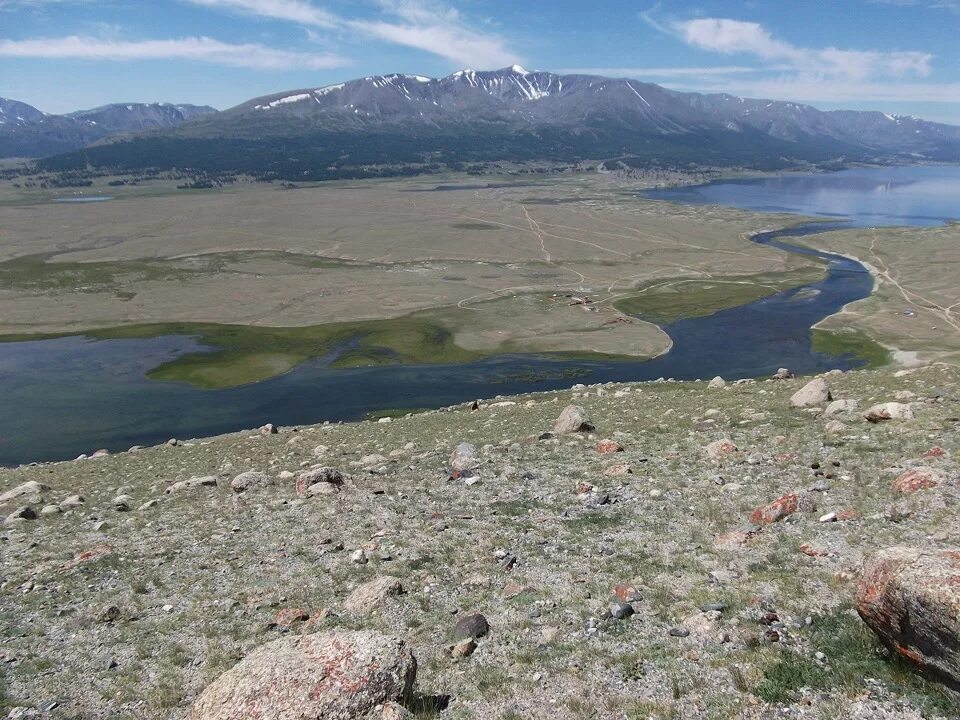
column 898, row 56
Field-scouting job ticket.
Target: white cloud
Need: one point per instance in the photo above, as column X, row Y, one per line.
column 730, row 37
column 296, row 11
column 663, row 72
column 203, row 49
column 420, row 24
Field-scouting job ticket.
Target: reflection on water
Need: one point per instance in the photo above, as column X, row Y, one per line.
column 868, row 197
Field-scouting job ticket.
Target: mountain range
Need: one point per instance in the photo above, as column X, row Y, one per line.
column 28, row 132
column 469, row 116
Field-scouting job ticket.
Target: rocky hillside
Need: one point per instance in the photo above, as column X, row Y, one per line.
column 659, row 550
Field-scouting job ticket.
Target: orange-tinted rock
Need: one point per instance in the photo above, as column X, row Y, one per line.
column 626, row 593
column 849, row 515
column 97, row 551
column 934, row 452
column 719, row 449
column 734, row 539
column 777, row 510
column 605, row 447
column 914, row 479
column 911, row 599
column 808, row 549
column 288, row 616
column 583, row 488
column 619, row 469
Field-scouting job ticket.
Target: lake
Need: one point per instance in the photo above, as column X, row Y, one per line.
column 72, row 395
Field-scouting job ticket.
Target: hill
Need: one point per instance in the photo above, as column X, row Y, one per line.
column 699, row 562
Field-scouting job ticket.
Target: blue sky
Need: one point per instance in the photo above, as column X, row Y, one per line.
column 898, row 56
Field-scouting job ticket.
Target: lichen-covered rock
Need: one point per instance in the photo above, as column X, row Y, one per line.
column 336, row 675
column 911, row 599
column 573, row 419
column 917, row 478
column 812, row 394
column 782, row 507
column 249, row 480
column 463, row 457
column 371, row 595
column 605, row 447
column 319, row 481
column 888, row 411
column 719, row 449
column 31, row 488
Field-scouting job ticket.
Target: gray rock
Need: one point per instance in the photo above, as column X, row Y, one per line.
column 888, row 411
column 841, row 406
column 573, row 419
column 319, row 481
column 194, row 482
column 463, row 457
column 336, row 675
column 122, row 503
column 812, row 394
column 372, row 595
column 31, row 488
column 24, row 512
column 717, row 383
column 250, row 480
column 621, row 610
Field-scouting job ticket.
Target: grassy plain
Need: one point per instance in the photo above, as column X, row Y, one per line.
column 429, row 269
column 914, row 310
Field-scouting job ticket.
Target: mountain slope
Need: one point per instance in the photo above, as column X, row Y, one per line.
column 28, row 132
column 512, row 114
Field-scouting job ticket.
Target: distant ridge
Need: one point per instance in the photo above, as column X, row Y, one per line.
column 514, row 114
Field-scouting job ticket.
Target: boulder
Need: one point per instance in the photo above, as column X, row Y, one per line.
column 472, row 625
column 716, row 383
column 888, row 411
column 718, row 449
column 911, row 599
column 194, row 482
column 21, row 514
column 573, row 419
column 606, row 447
column 336, row 675
column 812, row 394
column 917, row 478
column 319, row 481
column 463, row 457
column 250, row 480
column 31, row 488
column 371, row 595
column 782, row 374
column 841, row 406
column 782, row 507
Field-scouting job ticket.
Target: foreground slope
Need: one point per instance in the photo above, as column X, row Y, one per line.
column 129, row 601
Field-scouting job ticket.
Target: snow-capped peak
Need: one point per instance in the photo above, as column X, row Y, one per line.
column 520, row 69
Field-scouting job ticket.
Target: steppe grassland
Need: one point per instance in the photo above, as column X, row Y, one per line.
column 915, row 308
column 482, row 263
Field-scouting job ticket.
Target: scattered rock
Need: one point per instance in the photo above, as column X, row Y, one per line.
column 371, row 595
column 340, row 675
column 122, row 503
column 917, row 478
column 250, row 480
column 32, row 489
column 289, row 616
column 464, row 457
column 472, row 625
column 319, row 481
column 782, row 507
column 573, row 419
column 606, row 447
column 626, row 593
column 841, row 406
column 108, row 614
column 888, row 411
column 72, row 501
column 463, row 648
column 22, row 513
column 268, row 429
column 717, row 383
column 812, row 394
column 718, row 449
column 619, row 469
column 194, row 482
column 782, row 374
column 621, row 610
column 909, row 598
column 48, row 510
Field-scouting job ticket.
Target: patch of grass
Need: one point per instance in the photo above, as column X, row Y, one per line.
column 853, row 653
column 474, row 226
column 850, row 344
column 667, row 302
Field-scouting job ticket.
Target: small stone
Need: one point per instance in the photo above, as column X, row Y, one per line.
column 782, row 374
column 463, row 648
column 48, row 510
column 621, row 610
column 473, row 625
column 359, row 557
column 680, row 632
column 268, row 429
column 372, row 595
column 606, row 447
column 109, row 614
column 250, row 480
column 122, row 503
